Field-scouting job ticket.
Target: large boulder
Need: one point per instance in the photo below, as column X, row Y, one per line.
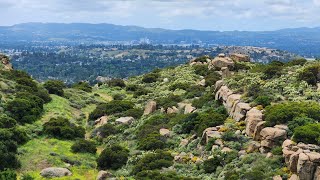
column 125, row 120
column 5, row 60
column 209, row 133
column 223, row 93
column 101, row 121
column 164, row 132
column 305, row 167
column 150, row 107
column 221, row 61
column 103, row 175
column 189, row 109
column 253, row 117
column 172, row 110
column 232, row 100
column 52, row 172
column 240, row 57
column 218, row 85
column 258, row 129
column 240, row 111
column 271, row 137
column 225, row 72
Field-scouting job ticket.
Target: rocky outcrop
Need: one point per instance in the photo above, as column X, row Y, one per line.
column 240, row 57
column 101, row 121
column 221, row 61
column 271, row 136
column 150, row 107
column 189, row 109
column 52, row 172
column 103, row 175
column 209, row 133
column 225, row 72
column 125, row 120
column 240, row 111
column 5, row 61
column 172, row 110
column 253, row 117
column 165, row 132
column 302, row 159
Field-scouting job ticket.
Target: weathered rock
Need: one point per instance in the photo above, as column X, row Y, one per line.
column 165, row 132
column 172, row 110
column 214, row 147
column 269, row 155
column 317, row 174
column 305, row 168
column 150, row 107
column 218, row 85
column 253, row 146
column 240, row 111
column 253, row 117
column 272, row 136
column 221, row 61
column 238, row 132
column 293, row 161
column 231, row 100
column 55, row 172
column 223, row 93
column 226, row 150
column 282, row 126
column 125, row 120
column 202, row 82
column 189, row 109
column 287, row 143
column 240, row 57
column 184, row 142
column 165, row 80
column 210, row 133
column 101, row 121
column 181, row 106
column 225, row 72
column 104, row 175
column 278, row 177
column 242, row 153
column 218, row 142
column 294, row 177
column 5, row 60
column 257, row 130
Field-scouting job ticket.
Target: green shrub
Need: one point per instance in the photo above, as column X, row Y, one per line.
column 8, row 150
column 6, row 121
column 84, row 86
column 119, row 96
column 254, row 90
column 113, row 157
column 202, row 59
column 211, row 165
column 297, row 122
column 140, row 91
column 201, row 70
column 8, row 175
column 285, row 112
column 263, row 100
column 310, row 74
column 84, row 146
column 309, row 133
column 54, row 87
column 238, row 66
column 150, row 78
column 62, row 128
column 300, row 62
column 152, row 141
column 169, row 101
column 106, row 130
column 212, row 78
column 132, row 87
column 27, row 177
column 112, row 107
column 272, row 70
column 194, row 91
column 153, row 161
column 276, row 150
column 116, row 83
column 136, row 113
column 156, row 174
column 183, row 86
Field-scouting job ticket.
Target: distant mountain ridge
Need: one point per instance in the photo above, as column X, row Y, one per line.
column 303, row 41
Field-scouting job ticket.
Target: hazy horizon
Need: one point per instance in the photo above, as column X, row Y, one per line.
column 214, row 15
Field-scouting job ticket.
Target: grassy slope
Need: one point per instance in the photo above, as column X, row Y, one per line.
column 36, row 153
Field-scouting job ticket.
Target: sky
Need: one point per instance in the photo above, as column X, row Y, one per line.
column 222, row 15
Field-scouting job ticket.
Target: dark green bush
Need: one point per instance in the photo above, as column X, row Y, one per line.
column 153, row 161
column 140, row 91
column 194, row 91
column 84, row 86
column 113, row 157
column 300, row 62
column 156, row 174
column 276, row 150
column 201, row 70
column 212, row 78
column 263, row 100
column 297, row 122
column 62, row 128
column 183, row 86
column 112, row 107
column 150, row 77
column 8, row 175
column 211, row 165
column 55, row 87
column 309, row 133
column 6, row 121
column 132, row 87
column 310, row 74
column 8, row 150
column 169, row 101
column 254, row 90
column 119, row 96
column 272, row 70
column 152, row 141
column 136, row 113
column 238, row 66
column 285, row 112
column 84, row 146
column 106, row 130
column 116, row 83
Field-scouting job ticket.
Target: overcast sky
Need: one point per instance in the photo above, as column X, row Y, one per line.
column 170, row 14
